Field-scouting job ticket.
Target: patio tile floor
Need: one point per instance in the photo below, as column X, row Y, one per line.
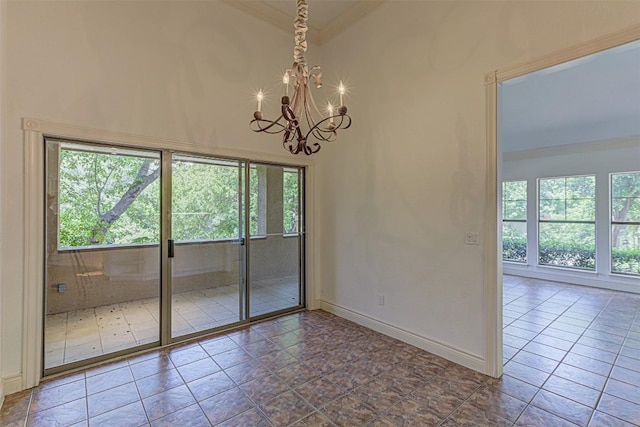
column 82, row 334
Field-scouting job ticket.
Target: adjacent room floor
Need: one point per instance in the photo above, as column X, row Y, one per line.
column 572, row 359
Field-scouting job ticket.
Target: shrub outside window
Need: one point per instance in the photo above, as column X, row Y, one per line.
column 566, row 216
column 514, row 221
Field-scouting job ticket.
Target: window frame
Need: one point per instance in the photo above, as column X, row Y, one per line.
column 593, row 222
column 612, row 223
column 516, row 221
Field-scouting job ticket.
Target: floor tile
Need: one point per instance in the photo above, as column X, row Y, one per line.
column 320, row 391
column 163, row 381
column 210, row 385
column 225, row 405
column 620, row 408
column 132, row 415
column 562, row 407
column 264, row 389
column 253, row 417
column 536, row 417
column 66, row 414
column 571, row 390
column 410, row 413
column 191, row 416
column 494, row 401
column 166, row 402
column 111, row 399
column 286, row 409
column 471, row 415
column 349, row 411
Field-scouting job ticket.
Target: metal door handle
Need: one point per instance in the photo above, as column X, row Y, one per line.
column 171, row 248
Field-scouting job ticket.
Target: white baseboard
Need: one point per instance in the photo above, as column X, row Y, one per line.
column 450, row 353
column 12, row 384
column 582, row 278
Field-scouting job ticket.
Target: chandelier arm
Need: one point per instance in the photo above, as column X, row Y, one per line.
column 267, row 129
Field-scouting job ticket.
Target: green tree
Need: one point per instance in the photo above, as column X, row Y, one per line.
column 107, row 199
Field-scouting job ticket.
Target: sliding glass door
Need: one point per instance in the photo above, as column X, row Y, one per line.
column 102, row 280
column 277, row 239
column 207, row 217
column 148, row 247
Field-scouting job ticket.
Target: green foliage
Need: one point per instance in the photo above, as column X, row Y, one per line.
column 290, row 202
column 206, row 198
column 514, row 200
column 514, row 249
column 90, row 184
column 567, row 198
column 205, row 201
column 567, row 254
column 625, row 261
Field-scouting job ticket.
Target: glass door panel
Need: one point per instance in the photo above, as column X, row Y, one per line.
column 102, row 283
column 277, row 239
column 207, row 270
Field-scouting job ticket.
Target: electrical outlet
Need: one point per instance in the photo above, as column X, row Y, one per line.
column 471, row 238
column 380, row 299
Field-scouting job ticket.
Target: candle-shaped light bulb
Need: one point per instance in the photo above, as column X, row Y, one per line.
column 285, row 82
column 260, row 97
column 330, row 108
column 341, row 90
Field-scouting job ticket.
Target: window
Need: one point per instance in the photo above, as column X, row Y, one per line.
column 514, row 221
column 204, row 212
column 625, row 223
column 567, row 230
column 106, row 195
column 290, row 208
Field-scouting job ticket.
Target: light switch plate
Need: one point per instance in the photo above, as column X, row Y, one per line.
column 471, row 238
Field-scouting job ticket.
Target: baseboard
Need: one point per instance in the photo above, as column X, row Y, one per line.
column 582, row 278
column 450, row 353
column 12, row 384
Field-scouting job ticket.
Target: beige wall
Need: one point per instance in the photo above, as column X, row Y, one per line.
column 394, row 195
column 184, row 71
column 3, row 87
column 399, row 190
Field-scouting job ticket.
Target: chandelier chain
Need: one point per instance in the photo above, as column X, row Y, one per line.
column 300, row 31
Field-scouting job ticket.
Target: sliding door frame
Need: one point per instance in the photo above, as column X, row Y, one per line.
column 34, row 133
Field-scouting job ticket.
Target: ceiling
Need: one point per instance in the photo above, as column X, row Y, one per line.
column 593, row 98
column 327, row 18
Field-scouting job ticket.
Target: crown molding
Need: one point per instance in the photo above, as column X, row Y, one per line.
column 580, row 147
column 262, row 10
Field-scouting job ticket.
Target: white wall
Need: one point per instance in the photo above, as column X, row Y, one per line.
column 399, row 189
column 3, row 87
column 396, row 192
column 595, row 158
column 184, row 71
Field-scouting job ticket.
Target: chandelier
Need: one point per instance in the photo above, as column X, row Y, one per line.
column 301, row 123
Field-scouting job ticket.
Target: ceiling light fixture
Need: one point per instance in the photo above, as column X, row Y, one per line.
column 303, row 126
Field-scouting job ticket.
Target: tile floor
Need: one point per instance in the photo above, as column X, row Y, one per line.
column 82, row 334
column 572, row 359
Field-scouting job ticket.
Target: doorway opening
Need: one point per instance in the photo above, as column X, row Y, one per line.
column 568, row 143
